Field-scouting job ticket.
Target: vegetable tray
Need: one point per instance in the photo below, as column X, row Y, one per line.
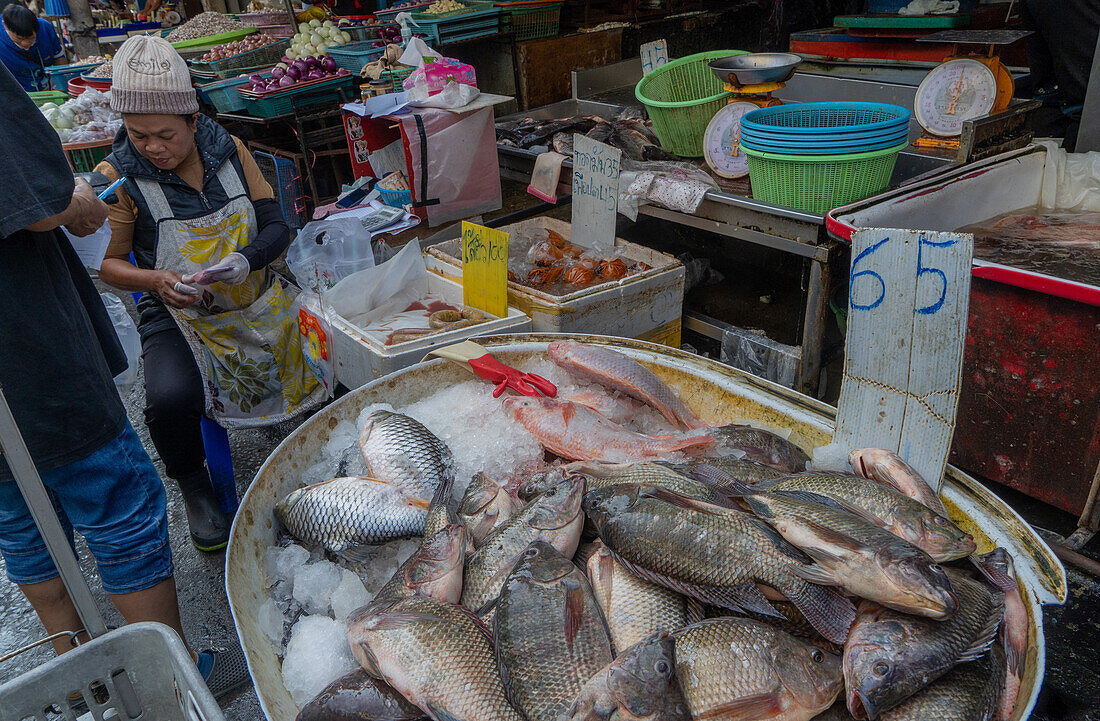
column 262, row 57
column 275, row 103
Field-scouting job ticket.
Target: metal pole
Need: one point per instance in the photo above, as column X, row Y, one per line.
column 82, row 29
column 34, row 493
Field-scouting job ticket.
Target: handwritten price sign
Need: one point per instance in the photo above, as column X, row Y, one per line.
column 654, row 55
column 485, row 269
column 595, row 192
column 908, row 300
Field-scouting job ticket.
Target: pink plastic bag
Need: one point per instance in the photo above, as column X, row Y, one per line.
column 436, row 73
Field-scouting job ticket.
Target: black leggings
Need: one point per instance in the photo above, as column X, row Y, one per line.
column 174, row 401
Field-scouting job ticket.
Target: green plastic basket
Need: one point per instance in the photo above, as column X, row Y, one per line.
column 682, row 97
column 819, row 183
column 41, row 97
column 83, row 157
column 533, row 20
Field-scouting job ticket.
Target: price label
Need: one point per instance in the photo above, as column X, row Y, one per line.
column 485, row 269
column 908, row 300
column 654, row 55
column 595, row 192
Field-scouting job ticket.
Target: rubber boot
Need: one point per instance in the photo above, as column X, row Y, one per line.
column 209, row 526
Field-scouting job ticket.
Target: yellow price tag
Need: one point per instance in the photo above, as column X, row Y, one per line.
column 485, row 269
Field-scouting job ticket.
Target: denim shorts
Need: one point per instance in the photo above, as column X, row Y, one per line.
column 114, row 499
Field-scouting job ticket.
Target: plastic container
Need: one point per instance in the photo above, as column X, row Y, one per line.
column 140, row 670
column 353, row 56
column 83, row 157
column 60, row 75
column 263, row 57
column 819, row 183
column 826, row 118
column 532, row 19
column 283, row 102
column 219, row 39
column 682, row 97
column 395, row 198
column 76, row 86
column 100, row 84
column 646, row 305
column 825, row 147
column 223, row 94
column 41, row 97
column 480, row 18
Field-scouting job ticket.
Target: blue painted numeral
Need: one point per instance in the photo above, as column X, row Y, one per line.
column 852, row 280
column 922, row 270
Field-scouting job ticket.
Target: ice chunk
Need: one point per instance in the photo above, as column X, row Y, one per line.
column 317, row 654
column 349, row 595
column 271, row 623
column 343, row 436
column 831, row 458
column 314, row 585
column 384, row 561
column 280, row 563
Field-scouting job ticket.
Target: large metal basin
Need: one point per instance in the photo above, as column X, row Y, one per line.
column 716, row 392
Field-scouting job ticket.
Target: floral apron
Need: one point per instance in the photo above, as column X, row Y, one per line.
column 243, row 337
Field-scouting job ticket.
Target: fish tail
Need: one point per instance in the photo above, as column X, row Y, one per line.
column 680, row 444
column 829, row 611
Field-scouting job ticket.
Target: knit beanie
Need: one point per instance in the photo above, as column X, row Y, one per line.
column 151, row 78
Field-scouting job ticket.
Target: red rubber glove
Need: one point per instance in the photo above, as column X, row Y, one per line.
column 526, row 384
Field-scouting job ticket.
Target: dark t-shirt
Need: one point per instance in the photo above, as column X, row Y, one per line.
column 58, row 349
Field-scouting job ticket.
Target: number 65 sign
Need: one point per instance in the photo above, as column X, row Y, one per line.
column 908, row 300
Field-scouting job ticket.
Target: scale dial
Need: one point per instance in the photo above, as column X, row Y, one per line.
column 958, row 90
column 721, row 146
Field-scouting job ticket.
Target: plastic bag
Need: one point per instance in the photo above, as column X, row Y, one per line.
column 761, row 356
column 128, row 336
column 377, row 291
column 678, row 186
column 327, row 251
column 318, row 352
column 1071, row 181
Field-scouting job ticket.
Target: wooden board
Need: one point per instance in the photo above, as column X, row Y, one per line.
column 544, row 66
column 908, row 301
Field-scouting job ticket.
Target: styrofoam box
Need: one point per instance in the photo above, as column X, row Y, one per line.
column 360, row 360
column 647, row 305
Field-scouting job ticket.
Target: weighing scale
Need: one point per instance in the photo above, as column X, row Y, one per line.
column 752, row 78
column 963, row 87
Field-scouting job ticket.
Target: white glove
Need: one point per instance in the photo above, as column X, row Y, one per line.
column 233, row 270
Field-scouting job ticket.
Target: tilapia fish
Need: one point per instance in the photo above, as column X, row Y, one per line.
column 862, row 558
column 635, row 608
column 889, row 656
column 434, row 569
column 744, row 470
column 1014, row 626
column 549, row 634
column 639, row 685
column 616, row 371
column 359, row 697
column 881, row 505
column 554, row 517
column 604, row 475
column 345, row 513
column 716, row 555
column 969, row 692
column 617, row 410
column 759, row 446
column 485, row 506
column 888, row 468
column 401, row 451
column 737, row 668
column 579, row 433
column 436, row 654
column 440, row 514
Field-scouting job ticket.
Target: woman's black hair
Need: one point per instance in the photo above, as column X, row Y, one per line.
column 20, row 20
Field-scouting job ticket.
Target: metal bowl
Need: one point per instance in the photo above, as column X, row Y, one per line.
column 755, row 68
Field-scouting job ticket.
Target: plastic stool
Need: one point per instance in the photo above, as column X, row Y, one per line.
column 215, row 440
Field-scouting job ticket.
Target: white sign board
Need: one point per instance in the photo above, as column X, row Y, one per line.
column 908, row 299
column 595, row 192
column 654, row 55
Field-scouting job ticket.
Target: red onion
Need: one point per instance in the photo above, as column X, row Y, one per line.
column 342, row 72
column 316, row 75
column 285, row 60
column 292, row 72
column 328, row 64
column 286, row 81
column 277, row 73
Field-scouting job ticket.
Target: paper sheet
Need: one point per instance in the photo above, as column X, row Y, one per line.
column 91, row 248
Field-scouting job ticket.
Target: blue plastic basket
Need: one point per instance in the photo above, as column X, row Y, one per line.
column 223, row 94
column 853, row 135
column 279, row 172
column 823, row 149
column 826, row 118
column 396, row 198
column 353, row 56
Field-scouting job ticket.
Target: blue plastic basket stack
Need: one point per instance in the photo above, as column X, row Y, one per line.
column 831, row 128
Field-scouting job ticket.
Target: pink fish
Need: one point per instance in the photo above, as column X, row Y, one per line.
column 615, row 371
column 579, row 433
column 618, row 410
column 888, row 468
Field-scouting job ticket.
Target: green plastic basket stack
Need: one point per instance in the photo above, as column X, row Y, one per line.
column 681, row 97
column 532, row 20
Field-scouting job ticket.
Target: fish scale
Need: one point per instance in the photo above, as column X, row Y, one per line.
column 744, row 669
column 970, row 692
column 549, row 634
column 402, row 451
column 343, row 513
column 437, row 655
column 639, row 685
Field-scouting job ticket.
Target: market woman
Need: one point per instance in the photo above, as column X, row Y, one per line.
column 202, row 225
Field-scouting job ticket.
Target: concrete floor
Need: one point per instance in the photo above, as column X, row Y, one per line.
column 1071, row 691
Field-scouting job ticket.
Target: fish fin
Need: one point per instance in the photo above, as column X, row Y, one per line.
column 747, row 708
column 816, row 573
column 722, row 481
column 689, row 442
column 486, row 607
column 356, row 554
column 572, row 612
column 675, row 499
column 829, row 611
column 419, row 502
column 759, row 506
column 750, row 598
column 831, row 537
column 693, row 611
column 993, row 572
column 781, row 544
column 987, row 633
column 568, row 410
column 439, row 714
column 1014, row 658
column 389, row 621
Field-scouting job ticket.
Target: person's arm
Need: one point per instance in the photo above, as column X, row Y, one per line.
column 272, row 235
column 118, row 272
column 84, row 215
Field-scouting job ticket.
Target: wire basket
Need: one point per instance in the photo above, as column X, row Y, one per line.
column 41, row 97
column 681, row 97
column 533, row 20
column 139, row 671
column 262, row 57
column 819, row 183
column 83, row 157
column 353, row 56
column 279, row 173
column 828, row 118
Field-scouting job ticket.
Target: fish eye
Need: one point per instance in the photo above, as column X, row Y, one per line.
column 881, row 668
column 531, row 553
column 939, row 520
column 936, row 568
column 818, row 656
column 662, row 667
